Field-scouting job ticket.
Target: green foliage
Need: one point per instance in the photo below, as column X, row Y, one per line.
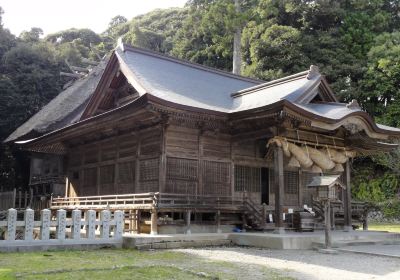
column 391, row 208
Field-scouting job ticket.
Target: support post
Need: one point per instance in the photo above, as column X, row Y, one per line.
column 105, row 217
column 218, row 220
column 61, row 223
column 328, row 242
column 279, row 185
column 154, row 218
column 264, row 215
column 76, row 224
column 11, row 224
column 90, row 224
column 29, row 224
column 188, row 215
column 119, row 224
column 45, row 224
column 137, row 226
column 347, row 201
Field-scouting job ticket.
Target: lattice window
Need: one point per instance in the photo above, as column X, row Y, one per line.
column 184, row 169
column 308, row 193
column 107, row 173
column 181, row 175
column 149, row 169
column 89, row 182
column 149, row 173
column 247, row 178
column 291, row 182
column 216, row 178
column 126, row 172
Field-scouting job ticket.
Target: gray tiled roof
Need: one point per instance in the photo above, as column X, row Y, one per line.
column 189, row 84
column 183, row 83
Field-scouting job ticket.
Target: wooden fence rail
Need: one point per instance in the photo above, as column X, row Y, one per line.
column 80, row 229
column 146, row 201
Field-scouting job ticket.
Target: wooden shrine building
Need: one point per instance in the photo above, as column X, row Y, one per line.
column 177, row 144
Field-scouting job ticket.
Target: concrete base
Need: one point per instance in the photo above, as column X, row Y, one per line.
column 194, row 228
column 53, row 244
column 288, row 240
column 173, row 241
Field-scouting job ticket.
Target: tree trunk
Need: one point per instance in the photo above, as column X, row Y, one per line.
column 237, row 38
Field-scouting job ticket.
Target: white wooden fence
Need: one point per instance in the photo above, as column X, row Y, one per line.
column 74, row 230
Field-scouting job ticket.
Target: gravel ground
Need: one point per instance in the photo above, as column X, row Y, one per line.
column 302, row 264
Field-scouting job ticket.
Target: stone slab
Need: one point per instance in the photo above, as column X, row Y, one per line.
column 54, row 244
column 384, row 250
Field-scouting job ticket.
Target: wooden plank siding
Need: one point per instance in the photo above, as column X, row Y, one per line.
column 112, row 166
column 181, row 160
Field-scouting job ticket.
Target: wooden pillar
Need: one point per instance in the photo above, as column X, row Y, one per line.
column 264, row 215
column 137, row 221
column 328, row 241
column 188, row 215
column 154, row 218
column 163, row 160
column 347, row 201
column 279, row 188
column 365, row 222
column 218, row 221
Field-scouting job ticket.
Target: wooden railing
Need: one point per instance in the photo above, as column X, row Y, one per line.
column 170, row 200
column 122, row 201
column 147, row 201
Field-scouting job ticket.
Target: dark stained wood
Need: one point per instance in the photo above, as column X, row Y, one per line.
column 279, row 187
column 347, row 200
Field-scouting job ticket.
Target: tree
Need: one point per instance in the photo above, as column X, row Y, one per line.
column 31, row 36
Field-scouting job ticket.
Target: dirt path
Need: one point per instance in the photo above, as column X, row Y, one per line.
column 304, row 264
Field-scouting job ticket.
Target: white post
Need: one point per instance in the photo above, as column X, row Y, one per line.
column 91, row 224
column 105, row 217
column 11, row 224
column 29, row 224
column 76, row 224
column 61, row 223
column 45, row 224
column 119, row 224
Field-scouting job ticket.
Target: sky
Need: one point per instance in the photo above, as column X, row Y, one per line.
column 57, row 15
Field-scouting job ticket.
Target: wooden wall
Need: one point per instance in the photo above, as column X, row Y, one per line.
column 197, row 162
column 182, row 160
column 123, row 164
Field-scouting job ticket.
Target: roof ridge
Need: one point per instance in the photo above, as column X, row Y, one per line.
column 127, row 47
column 271, row 83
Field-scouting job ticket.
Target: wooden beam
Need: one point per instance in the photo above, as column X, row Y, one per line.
column 188, row 215
column 279, row 191
column 154, row 218
column 347, row 201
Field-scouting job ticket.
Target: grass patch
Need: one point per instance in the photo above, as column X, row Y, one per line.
column 119, row 264
column 385, row 227
column 6, row 274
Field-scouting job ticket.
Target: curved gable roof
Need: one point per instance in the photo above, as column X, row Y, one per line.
column 66, row 108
